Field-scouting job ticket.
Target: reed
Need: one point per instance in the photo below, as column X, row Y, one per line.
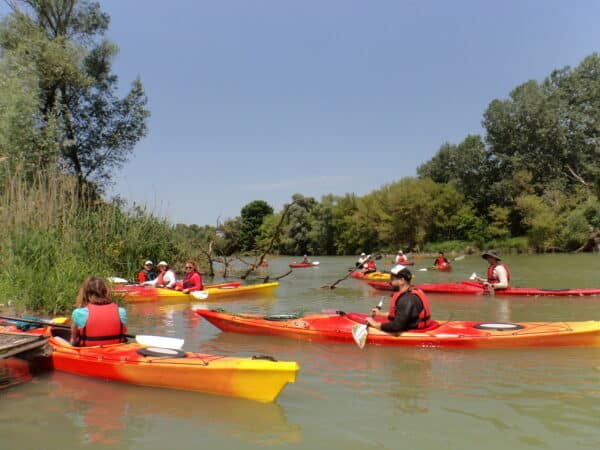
column 52, row 240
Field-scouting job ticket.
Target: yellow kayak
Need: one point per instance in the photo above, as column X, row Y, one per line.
column 373, row 276
column 149, row 294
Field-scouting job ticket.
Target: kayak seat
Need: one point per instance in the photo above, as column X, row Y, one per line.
column 61, row 333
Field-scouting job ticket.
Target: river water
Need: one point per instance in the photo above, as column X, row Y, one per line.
column 344, row 397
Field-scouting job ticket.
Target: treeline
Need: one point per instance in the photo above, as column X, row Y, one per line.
column 531, row 182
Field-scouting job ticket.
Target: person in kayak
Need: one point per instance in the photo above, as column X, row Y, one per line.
column 498, row 275
column 369, row 265
column 305, row 259
column 361, row 260
column 192, row 280
column 441, row 260
column 166, row 277
column 400, row 258
column 96, row 319
column 147, row 273
column 409, row 307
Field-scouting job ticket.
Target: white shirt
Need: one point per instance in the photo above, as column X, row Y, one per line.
column 169, row 278
column 500, row 273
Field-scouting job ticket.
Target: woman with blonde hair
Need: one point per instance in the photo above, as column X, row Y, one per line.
column 192, row 280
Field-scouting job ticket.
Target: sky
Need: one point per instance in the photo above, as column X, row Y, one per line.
column 261, row 99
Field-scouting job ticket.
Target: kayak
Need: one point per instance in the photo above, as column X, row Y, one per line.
column 146, row 293
column 300, row 265
column 373, row 276
column 336, row 326
column 475, row 288
column 259, row 378
column 442, row 268
column 138, row 289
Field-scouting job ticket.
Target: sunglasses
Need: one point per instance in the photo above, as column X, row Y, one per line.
column 188, row 267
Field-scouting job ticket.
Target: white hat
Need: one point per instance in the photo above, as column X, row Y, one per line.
column 363, row 254
column 400, row 252
column 148, row 263
column 163, row 263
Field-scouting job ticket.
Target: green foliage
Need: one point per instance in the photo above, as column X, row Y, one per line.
column 75, row 114
column 252, row 216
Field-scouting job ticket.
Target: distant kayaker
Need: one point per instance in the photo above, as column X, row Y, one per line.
column 96, row 319
column 166, row 277
column 192, row 280
column 400, row 258
column 147, row 273
column 361, row 259
column 305, row 259
column 369, row 265
column 409, row 307
column 498, row 275
column 441, row 260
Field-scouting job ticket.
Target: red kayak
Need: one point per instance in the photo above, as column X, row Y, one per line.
column 300, row 265
column 337, row 326
column 475, row 288
column 443, row 268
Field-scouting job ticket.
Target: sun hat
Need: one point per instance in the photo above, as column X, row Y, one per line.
column 148, row 263
column 400, row 252
column 400, row 271
column 491, row 253
column 163, row 263
column 363, row 254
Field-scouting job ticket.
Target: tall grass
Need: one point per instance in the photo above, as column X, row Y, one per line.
column 51, row 240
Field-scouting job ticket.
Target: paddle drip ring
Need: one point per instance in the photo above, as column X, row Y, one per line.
column 499, row 326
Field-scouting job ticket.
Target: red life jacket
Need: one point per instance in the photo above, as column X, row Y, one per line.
column 192, row 281
column 370, row 266
column 424, row 316
column 440, row 261
column 161, row 279
column 103, row 326
column 490, row 273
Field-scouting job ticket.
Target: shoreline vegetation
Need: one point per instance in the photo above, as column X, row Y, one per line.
column 530, row 184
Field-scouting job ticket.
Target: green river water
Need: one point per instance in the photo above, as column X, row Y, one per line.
column 344, row 397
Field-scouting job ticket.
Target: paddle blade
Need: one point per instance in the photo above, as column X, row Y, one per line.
column 199, row 295
column 117, row 280
column 159, row 341
column 360, row 333
column 424, row 269
column 473, row 276
column 315, row 263
column 459, row 258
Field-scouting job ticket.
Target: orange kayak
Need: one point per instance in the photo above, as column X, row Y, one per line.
column 258, row 378
column 336, row 326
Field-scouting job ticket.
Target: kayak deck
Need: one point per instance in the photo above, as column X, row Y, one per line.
column 148, row 294
column 336, row 326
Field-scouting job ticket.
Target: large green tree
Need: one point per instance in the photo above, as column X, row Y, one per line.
column 60, row 45
column 252, row 216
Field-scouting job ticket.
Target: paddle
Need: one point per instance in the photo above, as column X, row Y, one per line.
column 376, row 257
column 489, row 287
column 199, row 295
column 144, row 339
column 361, row 331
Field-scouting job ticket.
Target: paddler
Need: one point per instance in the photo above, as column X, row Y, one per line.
column 498, row 275
column 409, row 307
column 96, row 319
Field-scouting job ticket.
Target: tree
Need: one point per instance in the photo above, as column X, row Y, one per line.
column 60, row 40
column 252, row 216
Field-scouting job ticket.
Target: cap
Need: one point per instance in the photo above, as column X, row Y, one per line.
column 399, row 271
column 491, row 253
column 363, row 254
column 163, row 263
column 400, row 252
column 148, row 263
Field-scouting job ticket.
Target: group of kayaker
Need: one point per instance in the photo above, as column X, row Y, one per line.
column 98, row 320
column 166, row 278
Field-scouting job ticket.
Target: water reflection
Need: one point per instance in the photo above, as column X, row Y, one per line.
column 110, row 413
column 13, row 371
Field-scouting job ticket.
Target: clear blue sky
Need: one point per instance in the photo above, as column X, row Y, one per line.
column 261, row 99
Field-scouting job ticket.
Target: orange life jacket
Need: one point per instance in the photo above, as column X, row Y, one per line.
column 425, row 314
column 494, row 279
column 103, row 326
